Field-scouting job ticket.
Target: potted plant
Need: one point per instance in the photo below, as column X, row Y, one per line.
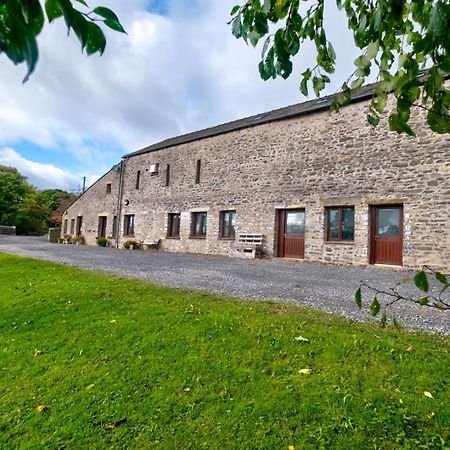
column 67, row 239
column 131, row 245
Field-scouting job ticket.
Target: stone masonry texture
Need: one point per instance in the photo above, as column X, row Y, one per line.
column 313, row 161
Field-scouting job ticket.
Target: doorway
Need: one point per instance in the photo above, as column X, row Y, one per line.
column 386, row 234
column 291, row 233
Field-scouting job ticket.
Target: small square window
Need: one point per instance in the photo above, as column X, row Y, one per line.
column 108, row 188
column 340, row 223
column 154, row 169
column 198, row 225
column 173, row 225
column 227, row 224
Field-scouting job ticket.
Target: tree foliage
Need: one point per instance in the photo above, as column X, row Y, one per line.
column 23, row 206
column 398, row 39
column 22, row 21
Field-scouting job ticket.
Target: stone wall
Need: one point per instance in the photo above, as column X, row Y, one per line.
column 95, row 202
column 312, row 162
column 7, row 230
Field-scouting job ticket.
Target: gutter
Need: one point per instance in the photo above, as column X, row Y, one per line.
column 119, row 201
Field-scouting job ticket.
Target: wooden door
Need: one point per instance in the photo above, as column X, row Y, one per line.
column 386, row 234
column 291, row 233
column 102, row 222
column 79, row 225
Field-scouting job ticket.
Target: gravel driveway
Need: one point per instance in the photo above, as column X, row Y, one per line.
column 324, row 287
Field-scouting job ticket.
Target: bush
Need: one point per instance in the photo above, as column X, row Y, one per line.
column 78, row 240
column 102, row 241
column 131, row 244
column 68, row 239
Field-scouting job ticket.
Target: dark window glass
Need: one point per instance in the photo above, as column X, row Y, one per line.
column 79, row 225
column 108, row 188
column 167, row 174
column 102, row 223
column 388, row 222
column 228, row 224
column 114, row 227
column 173, row 226
column 65, row 227
column 72, row 226
column 138, row 179
column 197, row 172
column 199, row 224
column 341, row 223
column 128, row 225
column 295, row 222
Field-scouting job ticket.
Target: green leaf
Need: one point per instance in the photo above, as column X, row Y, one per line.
column 235, row 9
column 34, row 16
column 304, row 86
column 236, row 28
column 52, row 10
column 114, row 25
column 83, row 3
column 281, row 8
column 421, row 281
column 372, row 49
column 400, row 126
column 96, row 41
column 318, row 85
column 375, row 306
column 373, row 120
column 441, row 278
column 423, row 301
column 106, row 13
column 358, row 298
column 383, row 318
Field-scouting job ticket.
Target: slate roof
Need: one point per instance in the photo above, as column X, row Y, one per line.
column 287, row 112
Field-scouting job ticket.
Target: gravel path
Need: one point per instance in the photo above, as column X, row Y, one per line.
column 324, row 287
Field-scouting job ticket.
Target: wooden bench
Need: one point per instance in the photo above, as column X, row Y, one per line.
column 249, row 245
column 151, row 245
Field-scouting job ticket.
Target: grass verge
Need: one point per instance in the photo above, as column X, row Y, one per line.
column 92, row 361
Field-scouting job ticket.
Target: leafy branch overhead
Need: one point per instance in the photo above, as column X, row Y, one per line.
column 432, row 288
column 398, row 40
column 22, row 21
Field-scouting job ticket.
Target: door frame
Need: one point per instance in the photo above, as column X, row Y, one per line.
column 281, row 218
column 372, row 228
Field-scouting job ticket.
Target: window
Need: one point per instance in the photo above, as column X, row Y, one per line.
column 227, row 224
column 108, row 188
column 154, row 169
column 138, row 178
column 197, row 172
column 167, row 174
column 340, row 223
column 72, row 226
column 128, row 225
column 198, row 225
column 102, row 224
column 173, row 225
column 65, row 227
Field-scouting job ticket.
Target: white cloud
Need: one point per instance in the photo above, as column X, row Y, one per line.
column 43, row 176
column 171, row 75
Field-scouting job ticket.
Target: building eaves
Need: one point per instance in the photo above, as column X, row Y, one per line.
column 287, row 112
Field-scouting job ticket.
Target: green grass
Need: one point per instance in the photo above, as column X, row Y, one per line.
column 95, row 349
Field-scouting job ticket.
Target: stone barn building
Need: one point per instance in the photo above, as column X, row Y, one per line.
column 318, row 186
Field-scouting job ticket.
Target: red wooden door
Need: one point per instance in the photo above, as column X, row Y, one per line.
column 386, row 231
column 291, row 233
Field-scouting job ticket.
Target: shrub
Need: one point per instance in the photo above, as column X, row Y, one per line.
column 102, row 241
column 68, row 239
column 78, row 240
column 131, row 244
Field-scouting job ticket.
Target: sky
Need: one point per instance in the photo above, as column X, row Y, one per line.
column 178, row 70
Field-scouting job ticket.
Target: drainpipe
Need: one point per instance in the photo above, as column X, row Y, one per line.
column 119, row 201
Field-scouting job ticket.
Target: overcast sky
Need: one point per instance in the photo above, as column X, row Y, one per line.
column 178, row 70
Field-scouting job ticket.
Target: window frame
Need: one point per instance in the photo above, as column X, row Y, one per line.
column 203, row 224
column 108, row 188
column 127, row 219
column 340, row 210
column 198, row 171
column 167, row 175
column 230, row 236
column 170, row 226
column 72, row 227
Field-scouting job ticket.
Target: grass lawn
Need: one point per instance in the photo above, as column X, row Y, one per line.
column 93, row 361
